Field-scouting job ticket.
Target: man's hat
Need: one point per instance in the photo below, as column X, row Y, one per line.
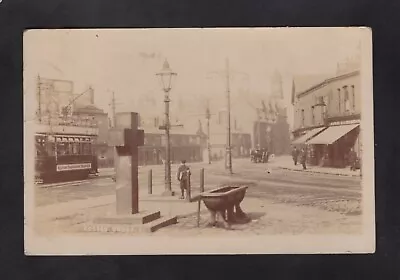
column 183, row 161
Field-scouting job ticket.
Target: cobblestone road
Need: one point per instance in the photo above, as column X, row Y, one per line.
column 327, row 192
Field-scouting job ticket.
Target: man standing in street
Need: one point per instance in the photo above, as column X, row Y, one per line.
column 303, row 158
column 183, row 176
column 352, row 159
column 295, row 155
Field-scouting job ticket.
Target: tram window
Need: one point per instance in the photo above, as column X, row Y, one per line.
column 62, row 149
column 75, row 148
column 86, row 148
column 69, row 148
column 51, row 149
column 40, row 150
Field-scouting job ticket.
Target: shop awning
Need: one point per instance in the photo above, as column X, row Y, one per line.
column 332, row 134
column 302, row 139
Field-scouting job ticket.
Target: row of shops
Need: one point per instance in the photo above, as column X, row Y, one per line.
column 331, row 145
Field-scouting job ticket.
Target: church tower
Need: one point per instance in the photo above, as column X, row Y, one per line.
column 279, row 134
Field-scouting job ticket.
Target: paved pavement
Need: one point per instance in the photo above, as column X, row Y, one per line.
column 286, row 162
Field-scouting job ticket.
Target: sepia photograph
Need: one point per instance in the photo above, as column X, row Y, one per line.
column 198, row 141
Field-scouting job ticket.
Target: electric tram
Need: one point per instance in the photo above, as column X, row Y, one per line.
column 65, row 154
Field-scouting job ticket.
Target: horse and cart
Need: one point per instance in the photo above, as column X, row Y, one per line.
column 259, row 155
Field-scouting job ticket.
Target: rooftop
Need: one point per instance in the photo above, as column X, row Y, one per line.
column 87, row 109
column 302, row 84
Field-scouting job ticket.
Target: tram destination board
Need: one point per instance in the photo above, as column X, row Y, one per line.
column 75, row 166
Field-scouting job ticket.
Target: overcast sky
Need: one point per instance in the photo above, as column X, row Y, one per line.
column 125, row 61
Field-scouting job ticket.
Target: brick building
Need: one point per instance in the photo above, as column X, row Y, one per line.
column 327, row 113
column 103, row 151
column 184, row 145
column 240, row 140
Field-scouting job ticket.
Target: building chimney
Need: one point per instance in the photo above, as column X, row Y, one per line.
column 91, row 92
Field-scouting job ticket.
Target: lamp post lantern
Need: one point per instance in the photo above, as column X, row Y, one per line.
column 166, row 77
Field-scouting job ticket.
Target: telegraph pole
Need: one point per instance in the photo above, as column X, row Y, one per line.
column 228, row 97
column 113, row 109
column 228, row 154
column 114, row 125
column 208, row 116
column 39, row 99
column 259, row 127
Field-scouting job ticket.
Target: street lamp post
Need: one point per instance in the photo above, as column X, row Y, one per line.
column 166, row 76
column 228, row 97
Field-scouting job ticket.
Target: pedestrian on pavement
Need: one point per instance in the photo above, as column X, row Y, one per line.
column 183, row 176
column 352, row 159
column 295, row 155
column 264, row 155
column 303, row 158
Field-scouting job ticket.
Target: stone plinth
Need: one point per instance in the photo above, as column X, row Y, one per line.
column 133, row 219
column 132, row 226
